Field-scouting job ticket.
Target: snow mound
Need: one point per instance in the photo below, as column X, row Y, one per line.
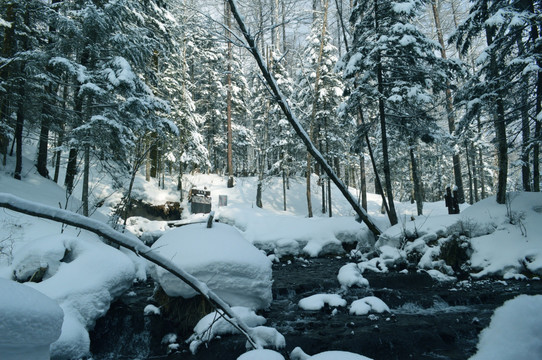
column 368, row 304
column 350, row 275
column 335, row 355
column 514, row 331
column 89, row 277
column 318, row 301
column 299, row 354
column 486, row 239
column 30, row 322
column 261, row 354
column 217, row 324
column 221, row 258
column 266, row 336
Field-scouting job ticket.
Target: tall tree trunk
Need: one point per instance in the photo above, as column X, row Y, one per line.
column 229, row 95
column 86, row 178
column 8, row 46
column 43, row 145
column 474, row 173
column 416, row 179
column 58, row 152
column 538, row 124
column 19, row 133
column 363, row 182
column 449, row 107
column 469, row 172
column 500, row 128
column 392, row 215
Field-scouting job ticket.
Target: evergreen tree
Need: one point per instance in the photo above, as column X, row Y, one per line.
column 393, row 64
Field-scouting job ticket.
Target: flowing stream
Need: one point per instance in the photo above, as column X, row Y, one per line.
column 428, row 319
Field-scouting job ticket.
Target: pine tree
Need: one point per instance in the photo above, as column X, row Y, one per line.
column 393, row 64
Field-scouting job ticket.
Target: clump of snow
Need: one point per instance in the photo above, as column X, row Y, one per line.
column 148, row 231
column 299, row 354
column 514, row 331
column 217, row 324
column 84, row 284
column 265, row 336
column 151, row 310
column 318, row 301
column 30, row 322
column 261, row 354
column 230, row 266
column 368, row 304
column 350, row 275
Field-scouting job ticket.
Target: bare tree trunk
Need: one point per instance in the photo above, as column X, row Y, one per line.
column 469, row 172
column 229, row 95
column 283, row 103
column 86, row 171
column 19, row 134
column 449, row 107
column 417, row 182
column 392, row 215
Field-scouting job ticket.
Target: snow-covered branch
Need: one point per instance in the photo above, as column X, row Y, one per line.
column 283, row 103
column 17, row 204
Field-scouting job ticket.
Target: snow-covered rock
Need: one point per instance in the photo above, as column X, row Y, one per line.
column 30, row 322
column 261, row 354
column 221, row 258
column 350, row 275
column 318, row 301
column 84, row 284
column 368, row 304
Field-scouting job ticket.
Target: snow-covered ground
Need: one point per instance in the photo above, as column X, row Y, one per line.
column 84, row 276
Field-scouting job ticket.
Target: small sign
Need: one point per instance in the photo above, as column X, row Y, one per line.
column 222, row 200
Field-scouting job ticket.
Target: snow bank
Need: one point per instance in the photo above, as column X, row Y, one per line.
column 368, row 304
column 299, row 354
column 230, row 266
column 30, row 322
column 89, row 277
column 318, row 301
column 514, row 331
column 502, row 240
column 261, row 354
column 350, row 275
column 217, row 324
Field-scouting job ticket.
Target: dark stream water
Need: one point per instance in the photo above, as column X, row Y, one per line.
column 428, row 320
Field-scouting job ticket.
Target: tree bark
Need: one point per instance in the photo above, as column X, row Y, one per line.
column 282, row 102
column 86, row 175
column 417, row 182
column 449, row 107
column 392, row 215
column 19, row 133
column 229, row 95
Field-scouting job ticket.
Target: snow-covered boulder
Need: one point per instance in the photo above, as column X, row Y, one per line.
column 368, row 304
column 30, row 322
column 261, row 354
column 84, row 276
column 221, row 258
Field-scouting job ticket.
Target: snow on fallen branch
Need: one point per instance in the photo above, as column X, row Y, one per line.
column 20, row 205
column 283, row 103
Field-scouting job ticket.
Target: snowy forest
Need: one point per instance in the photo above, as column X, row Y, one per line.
column 400, row 98
column 373, row 168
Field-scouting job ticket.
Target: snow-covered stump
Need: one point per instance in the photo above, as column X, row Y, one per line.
column 30, row 322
